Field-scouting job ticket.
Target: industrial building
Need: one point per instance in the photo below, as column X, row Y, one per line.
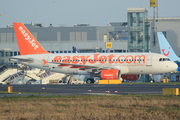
column 138, row 34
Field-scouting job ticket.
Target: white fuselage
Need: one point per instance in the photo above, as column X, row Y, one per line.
column 127, row 63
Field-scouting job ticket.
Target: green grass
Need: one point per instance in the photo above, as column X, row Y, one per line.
column 155, row 83
column 5, row 92
column 40, row 96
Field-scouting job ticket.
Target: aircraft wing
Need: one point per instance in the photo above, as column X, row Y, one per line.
column 82, row 67
column 93, row 68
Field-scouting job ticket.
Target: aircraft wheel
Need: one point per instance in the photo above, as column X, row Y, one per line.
column 88, row 81
column 151, row 81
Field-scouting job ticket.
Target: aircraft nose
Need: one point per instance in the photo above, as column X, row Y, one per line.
column 174, row 66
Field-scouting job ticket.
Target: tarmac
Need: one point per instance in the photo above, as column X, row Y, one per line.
column 88, row 89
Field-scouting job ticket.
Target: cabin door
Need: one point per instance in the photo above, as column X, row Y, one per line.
column 149, row 60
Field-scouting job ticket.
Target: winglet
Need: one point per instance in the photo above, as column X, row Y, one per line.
column 166, row 48
column 26, row 41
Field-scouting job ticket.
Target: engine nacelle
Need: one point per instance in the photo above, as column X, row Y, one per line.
column 110, row 74
column 130, row 77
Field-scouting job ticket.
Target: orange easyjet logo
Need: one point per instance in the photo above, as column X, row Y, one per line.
column 108, row 75
column 99, row 58
column 28, row 38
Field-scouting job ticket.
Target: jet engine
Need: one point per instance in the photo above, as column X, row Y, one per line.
column 110, row 74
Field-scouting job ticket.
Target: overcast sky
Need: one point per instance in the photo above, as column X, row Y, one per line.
column 70, row 12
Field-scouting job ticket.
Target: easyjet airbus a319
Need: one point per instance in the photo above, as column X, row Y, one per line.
column 108, row 65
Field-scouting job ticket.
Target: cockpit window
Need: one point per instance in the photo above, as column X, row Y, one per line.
column 160, row 59
column 167, row 59
column 164, row 59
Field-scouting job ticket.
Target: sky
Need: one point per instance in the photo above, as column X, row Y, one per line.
column 70, row 12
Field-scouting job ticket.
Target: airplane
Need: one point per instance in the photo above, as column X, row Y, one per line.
column 167, row 50
column 107, row 65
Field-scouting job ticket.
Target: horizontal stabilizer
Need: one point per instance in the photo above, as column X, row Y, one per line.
column 17, row 59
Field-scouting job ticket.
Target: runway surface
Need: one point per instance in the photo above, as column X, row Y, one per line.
column 122, row 89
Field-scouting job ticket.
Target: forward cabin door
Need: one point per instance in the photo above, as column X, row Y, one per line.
column 149, row 60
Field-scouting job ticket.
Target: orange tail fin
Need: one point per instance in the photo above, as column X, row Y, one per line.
column 26, row 42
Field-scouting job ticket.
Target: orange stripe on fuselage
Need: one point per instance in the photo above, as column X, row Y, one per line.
column 63, row 65
column 77, row 67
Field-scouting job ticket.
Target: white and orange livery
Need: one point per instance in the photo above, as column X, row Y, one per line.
column 111, row 65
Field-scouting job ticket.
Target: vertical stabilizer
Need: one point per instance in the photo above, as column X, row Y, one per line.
column 166, row 48
column 74, row 49
column 26, row 42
